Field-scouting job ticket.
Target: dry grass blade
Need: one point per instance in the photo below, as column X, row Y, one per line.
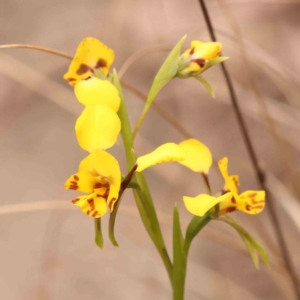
column 39, row 48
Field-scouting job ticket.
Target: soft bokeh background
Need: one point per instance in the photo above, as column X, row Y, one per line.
column 46, row 246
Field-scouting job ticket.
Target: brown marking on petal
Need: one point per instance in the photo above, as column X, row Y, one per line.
column 101, row 63
column 99, row 185
column 192, row 51
column 252, row 195
column 233, row 200
column 88, row 212
column 75, row 200
column 73, row 185
column 94, row 214
column 71, row 79
column 200, row 62
column 83, row 69
column 106, row 193
column 76, row 177
column 248, row 207
column 91, row 203
column 112, row 201
column 258, row 207
column 253, row 201
column 235, row 181
column 230, row 209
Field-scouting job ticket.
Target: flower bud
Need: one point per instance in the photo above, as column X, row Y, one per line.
column 199, row 57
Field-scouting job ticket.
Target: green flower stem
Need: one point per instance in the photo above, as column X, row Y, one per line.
column 196, row 224
column 181, row 248
column 142, row 197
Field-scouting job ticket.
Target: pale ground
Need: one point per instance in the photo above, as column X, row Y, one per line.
column 50, row 254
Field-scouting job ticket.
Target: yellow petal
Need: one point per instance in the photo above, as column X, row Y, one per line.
column 82, row 182
column 202, row 203
column 228, row 205
column 106, row 167
column 232, row 184
column 94, row 206
column 165, row 153
column 91, row 55
column 209, row 51
column 113, row 196
column 96, row 91
column 223, row 166
column 97, row 128
column 251, row 202
column 199, row 158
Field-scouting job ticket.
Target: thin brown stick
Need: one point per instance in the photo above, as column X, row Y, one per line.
column 259, row 173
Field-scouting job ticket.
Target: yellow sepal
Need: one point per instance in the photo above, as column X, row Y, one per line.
column 97, row 128
column 96, row 91
column 202, row 203
column 199, row 157
column 165, row 153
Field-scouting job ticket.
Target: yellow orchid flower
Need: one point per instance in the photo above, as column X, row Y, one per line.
column 91, row 56
column 250, row 202
column 97, row 128
column 99, row 176
column 198, row 57
column 199, row 159
column 93, row 91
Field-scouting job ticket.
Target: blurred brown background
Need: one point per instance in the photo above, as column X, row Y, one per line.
column 46, row 246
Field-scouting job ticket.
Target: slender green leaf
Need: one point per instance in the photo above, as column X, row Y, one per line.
column 194, row 227
column 179, row 258
column 254, row 247
column 167, row 72
column 98, row 233
column 251, row 250
column 206, row 85
column 260, row 250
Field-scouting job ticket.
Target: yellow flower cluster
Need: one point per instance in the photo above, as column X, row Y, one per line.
column 99, row 125
column 97, row 128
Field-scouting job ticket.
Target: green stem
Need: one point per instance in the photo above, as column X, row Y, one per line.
column 142, row 197
column 196, row 224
